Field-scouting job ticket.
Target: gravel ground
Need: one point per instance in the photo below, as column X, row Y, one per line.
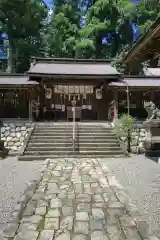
column 140, row 178
column 13, row 178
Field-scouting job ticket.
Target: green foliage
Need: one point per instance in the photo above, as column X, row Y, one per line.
column 64, row 30
column 111, row 20
column 84, row 49
column 146, row 13
column 22, row 21
column 123, row 125
column 67, row 35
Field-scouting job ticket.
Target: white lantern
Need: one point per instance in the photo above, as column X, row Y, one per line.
column 48, row 93
column 98, row 93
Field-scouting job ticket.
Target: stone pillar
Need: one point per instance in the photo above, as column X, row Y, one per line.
column 115, row 94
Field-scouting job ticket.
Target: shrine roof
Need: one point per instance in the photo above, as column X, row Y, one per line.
column 134, row 81
column 15, row 79
column 74, row 67
column 151, row 71
column 147, row 47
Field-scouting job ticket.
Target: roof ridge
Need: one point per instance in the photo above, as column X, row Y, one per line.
column 13, row 75
column 142, row 77
column 66, row 60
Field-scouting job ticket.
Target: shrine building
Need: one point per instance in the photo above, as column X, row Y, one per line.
column 46, row 92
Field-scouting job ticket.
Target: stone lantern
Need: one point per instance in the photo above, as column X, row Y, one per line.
column 152, row 142
column 152, row 125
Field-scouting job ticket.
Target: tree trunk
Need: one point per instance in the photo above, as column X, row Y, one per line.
column 10, row 64
column 98, row 48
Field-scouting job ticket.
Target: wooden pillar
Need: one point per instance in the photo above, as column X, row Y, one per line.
column 30, row 109
column 139, row 99
column 32, row 94
column 152, row 96
column 115, row 94
column 41, row 97
column 106, row 101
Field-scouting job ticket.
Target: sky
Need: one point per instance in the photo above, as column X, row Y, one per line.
column 48, row 2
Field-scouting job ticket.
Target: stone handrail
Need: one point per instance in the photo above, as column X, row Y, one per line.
column 74, row 129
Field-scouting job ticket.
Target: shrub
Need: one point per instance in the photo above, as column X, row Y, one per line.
column 123, row 128
column 124, row 125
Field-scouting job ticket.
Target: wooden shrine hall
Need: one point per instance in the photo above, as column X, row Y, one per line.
column 146, row 49
column 47, row 91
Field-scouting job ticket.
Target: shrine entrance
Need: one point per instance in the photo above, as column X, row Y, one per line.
column 58, row 102
column 63, row 97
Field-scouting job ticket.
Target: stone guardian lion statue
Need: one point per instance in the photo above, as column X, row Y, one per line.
column 153, row 112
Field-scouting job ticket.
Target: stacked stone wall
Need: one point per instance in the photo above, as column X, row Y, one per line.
column 138, row 136
column 14, row 134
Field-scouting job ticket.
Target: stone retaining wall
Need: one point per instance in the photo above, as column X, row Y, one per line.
column 14, row 134
column 138, row 136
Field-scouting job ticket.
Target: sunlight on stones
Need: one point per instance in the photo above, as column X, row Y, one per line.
column 75, row 199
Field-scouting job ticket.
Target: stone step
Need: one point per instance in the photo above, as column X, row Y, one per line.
column 49, row 149
column 88, row 152
column 70, row 134
column 52, row 139
column 95, row 130
column 96, row 133
column 70, row 126
column 51, row 136
column 94, row 127
column 57, row 141
column 71, row 155
column 82, row 144
column 49, row 144
column 70, row 129
column 70, row 148
column 53, row 129
column 69, row 142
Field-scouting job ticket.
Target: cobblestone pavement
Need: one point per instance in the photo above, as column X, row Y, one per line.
column 76, row 199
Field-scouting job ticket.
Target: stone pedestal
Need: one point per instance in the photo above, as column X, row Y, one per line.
column 3, row 151
column 152, row 143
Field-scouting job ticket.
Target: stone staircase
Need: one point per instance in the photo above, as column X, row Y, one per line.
column 55, row 140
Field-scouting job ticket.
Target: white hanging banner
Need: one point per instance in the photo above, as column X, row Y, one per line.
column 78, row 97
column 48, row 93
column 98, row 93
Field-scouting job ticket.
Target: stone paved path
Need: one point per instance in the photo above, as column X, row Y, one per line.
column 76, row 199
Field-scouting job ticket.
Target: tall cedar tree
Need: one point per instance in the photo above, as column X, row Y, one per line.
column 64, row 28
column 107, row 28
column 22, row 21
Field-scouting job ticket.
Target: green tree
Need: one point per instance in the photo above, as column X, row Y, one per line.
column 64, row 28
column 22, row 21
column 146, row 13
column 108, row 27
